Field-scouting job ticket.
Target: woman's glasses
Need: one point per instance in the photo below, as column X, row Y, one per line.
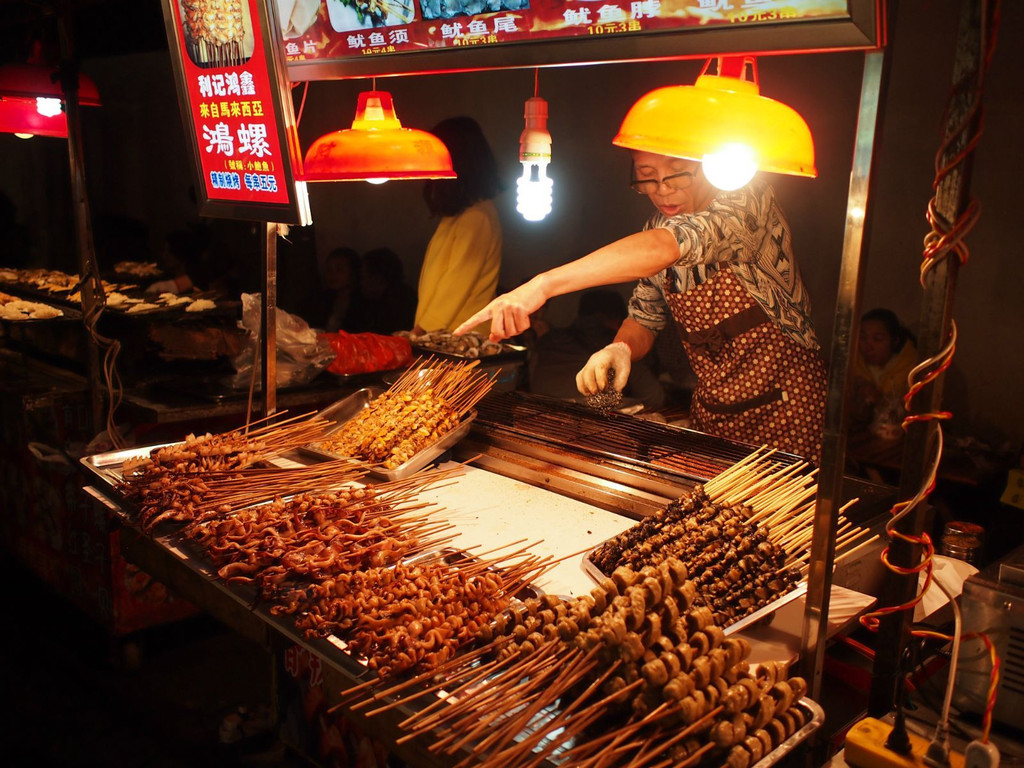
column 675, row 181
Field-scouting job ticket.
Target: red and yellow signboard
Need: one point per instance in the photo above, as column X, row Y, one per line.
column 237, row 112
column 336, row 30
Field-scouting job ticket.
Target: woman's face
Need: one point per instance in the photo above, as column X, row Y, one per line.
column 680, row 195
column 337, row 273
column 875, row 342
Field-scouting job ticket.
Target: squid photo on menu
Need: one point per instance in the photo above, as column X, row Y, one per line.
column 347, row 15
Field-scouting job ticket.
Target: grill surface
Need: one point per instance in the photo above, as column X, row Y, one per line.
column 623, row 463
column 571, row 428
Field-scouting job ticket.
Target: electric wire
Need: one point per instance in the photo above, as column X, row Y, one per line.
column 939, row 243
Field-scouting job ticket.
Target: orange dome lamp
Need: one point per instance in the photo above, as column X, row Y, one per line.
column 377, row 148
column 724, row 122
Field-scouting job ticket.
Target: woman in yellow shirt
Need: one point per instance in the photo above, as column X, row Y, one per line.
column 460, row 269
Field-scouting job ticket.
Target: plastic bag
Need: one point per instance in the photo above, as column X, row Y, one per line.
column 367, row 352
column 301, row 354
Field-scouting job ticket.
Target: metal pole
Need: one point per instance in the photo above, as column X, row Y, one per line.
column 935, row 326
column 92, row 304
column 268, row 319
column 833, row 452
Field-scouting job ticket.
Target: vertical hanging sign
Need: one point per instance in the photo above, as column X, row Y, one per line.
column 237, row 110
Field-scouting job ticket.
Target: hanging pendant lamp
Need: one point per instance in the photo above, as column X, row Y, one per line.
column 32, row 99
column 724, row 122
column 377, row 148
column 534, row 188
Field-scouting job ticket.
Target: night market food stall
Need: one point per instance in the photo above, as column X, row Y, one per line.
column 639, row 469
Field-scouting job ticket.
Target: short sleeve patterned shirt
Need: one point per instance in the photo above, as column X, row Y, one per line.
column 746, row 230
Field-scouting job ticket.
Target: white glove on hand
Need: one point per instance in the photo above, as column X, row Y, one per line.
column 163, row 286
column 594, row 376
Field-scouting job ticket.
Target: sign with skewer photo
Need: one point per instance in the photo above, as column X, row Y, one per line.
column 237, row 115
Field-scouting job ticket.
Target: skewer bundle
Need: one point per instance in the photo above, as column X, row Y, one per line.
column 285, row 544
column 782, row 502
column 216, row 31
column 427, row 402
column 343, row 562
column 177, row 481
column 634, row 674
column 744, row 536
column 413, row 615
column 735, row 567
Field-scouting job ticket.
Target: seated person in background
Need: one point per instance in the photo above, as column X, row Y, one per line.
column 341, row 304
column 560, row 352
column 389, row 301
column 182, row 255
column 885, row 355
column 221, row 256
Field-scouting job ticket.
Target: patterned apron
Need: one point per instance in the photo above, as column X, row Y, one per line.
column 754, row 383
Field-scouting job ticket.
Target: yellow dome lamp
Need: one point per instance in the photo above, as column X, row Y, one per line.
column 724, row 122
column 377, row 148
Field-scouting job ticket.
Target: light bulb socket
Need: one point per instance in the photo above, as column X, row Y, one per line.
column 535, row 141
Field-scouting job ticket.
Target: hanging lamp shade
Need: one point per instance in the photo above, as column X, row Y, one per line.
column 25, row 90
column 377, row 148
column 696, row 121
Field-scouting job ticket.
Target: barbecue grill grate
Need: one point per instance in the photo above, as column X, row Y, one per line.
column 573, row 428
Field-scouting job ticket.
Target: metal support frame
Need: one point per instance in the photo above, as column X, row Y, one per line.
column 833, row 454
column 935, row 325
column 268, row 318
column 91, row 303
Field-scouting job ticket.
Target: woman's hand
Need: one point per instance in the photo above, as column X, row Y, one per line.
column 509, row 313
column 594, row 376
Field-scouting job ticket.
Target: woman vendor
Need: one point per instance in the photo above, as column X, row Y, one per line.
column 719, row 265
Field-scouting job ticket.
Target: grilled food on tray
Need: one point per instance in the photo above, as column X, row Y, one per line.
column 55, row 282
column 426, row 403
column 13, row 308
column 471, row 345
column 736, row 568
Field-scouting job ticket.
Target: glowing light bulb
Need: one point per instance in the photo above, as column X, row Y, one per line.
column 378, row 181
column 47, row 106
column 731, row 166
column 533, row 198
column 534, row 188
column 24, row 135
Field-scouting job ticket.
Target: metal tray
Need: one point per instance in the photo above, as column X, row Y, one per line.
column 815, row 717
column 765, row 612
column 67, row 315
column 106, row 467
column 508, row 352
column 348, row 408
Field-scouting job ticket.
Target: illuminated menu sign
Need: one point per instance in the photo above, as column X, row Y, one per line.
column 232, row 105
column 345, row 30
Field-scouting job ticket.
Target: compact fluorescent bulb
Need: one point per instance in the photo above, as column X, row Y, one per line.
column 534, row 187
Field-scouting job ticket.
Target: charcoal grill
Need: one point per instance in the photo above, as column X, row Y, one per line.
column 622, row 463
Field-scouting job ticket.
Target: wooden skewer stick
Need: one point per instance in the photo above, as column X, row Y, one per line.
column 515, row 724
column 517, row 752
column 418, row 693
